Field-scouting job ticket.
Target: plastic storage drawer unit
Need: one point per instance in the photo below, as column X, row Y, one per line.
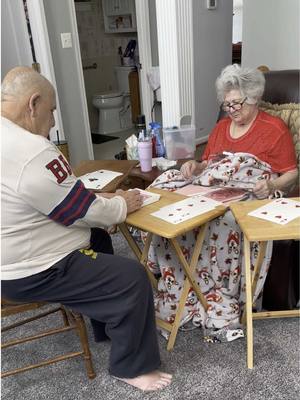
column 179, row 142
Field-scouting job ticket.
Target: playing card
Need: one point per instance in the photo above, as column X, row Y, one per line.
column 148, row 197
column 280, row 211
column 98, row 179
column 192, row 190
column 223, row 194
column 185, row 209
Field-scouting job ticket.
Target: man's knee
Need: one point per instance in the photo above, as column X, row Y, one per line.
column 135, row 274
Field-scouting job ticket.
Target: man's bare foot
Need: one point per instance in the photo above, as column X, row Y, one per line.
column 149, row 382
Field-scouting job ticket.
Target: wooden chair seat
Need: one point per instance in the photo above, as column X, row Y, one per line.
column 71, row 321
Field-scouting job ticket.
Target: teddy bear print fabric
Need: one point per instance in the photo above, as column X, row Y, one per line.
column 220, row 268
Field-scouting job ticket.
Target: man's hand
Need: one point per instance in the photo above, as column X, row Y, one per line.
column 133, row 199
column 192, row 167
column 107, row 195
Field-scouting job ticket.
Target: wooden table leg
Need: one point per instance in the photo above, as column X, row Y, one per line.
column 142, row 256
column 248, row 303
column 189, row 269
column 132, row 243
column 144, row 260
column 189, row 281
column 256, row 272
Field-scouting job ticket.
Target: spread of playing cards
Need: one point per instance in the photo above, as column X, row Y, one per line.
column 280, row 211
column 98, row 179
column 186, row 209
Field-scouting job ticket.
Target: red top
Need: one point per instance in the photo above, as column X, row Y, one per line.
column 268, row 138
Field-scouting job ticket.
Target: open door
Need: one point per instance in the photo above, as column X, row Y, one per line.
column 71, row 116
column 25, row 42
column 42, row 57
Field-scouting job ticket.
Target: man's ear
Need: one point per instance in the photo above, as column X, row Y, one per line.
column 33, row 101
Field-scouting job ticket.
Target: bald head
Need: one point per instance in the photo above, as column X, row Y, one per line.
column 23, row 81
column 26, row 96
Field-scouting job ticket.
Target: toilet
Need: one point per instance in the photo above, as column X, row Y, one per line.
column 114, row 107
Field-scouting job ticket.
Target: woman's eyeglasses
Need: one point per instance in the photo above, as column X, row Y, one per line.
column 235, row 105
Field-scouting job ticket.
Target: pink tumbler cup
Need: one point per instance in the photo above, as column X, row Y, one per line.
column 145, row 155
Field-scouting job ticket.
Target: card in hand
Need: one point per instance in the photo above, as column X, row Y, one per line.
column 148, row 197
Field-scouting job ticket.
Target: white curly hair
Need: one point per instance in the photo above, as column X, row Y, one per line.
column 249, row 81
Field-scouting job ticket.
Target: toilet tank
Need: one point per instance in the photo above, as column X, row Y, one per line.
column 122, row 73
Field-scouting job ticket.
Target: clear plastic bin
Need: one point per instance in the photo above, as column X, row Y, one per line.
column 179, row 142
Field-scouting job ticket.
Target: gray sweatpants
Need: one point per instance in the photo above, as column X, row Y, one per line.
column 113, row 291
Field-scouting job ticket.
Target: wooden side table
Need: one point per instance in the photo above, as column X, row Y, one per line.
column 259, row 230
column 149, row 177
column 63, row 147
column 143, row 220
column 123, row 166
column 146, row 177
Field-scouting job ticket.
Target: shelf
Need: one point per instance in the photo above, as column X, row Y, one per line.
column 119, row 14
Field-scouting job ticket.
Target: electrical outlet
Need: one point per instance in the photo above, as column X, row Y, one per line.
column 66, row 40
column 211, row 4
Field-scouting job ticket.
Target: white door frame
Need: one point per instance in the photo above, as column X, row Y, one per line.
column 43, row 52
column 144, row 42
column 43, row 55
column 15, row 41
column 82, row 92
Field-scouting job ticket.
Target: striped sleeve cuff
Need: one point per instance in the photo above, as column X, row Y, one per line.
column 74, row 206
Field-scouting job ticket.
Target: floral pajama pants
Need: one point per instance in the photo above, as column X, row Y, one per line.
column 220, row 269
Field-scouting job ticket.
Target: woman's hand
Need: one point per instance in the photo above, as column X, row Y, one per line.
column 263, row 189
column 284, row 183
column 192, row 167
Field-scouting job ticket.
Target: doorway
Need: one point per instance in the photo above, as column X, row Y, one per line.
column 237, row 23
column 101, row 52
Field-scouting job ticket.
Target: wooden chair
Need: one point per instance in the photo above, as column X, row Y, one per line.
column 263, row 68
column 72, row 321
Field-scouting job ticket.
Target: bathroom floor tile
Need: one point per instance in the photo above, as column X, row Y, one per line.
column 108, row 150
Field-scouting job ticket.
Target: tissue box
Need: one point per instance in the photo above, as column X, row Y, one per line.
column 179, row 142
column 132, row 152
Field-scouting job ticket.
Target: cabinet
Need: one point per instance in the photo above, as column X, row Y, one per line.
column 119, row 16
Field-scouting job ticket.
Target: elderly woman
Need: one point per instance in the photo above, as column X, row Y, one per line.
column 247, row 149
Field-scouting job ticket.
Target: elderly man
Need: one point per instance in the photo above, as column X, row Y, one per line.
column 54, row 249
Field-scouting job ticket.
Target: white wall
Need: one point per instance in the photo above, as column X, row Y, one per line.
column 69, row 79
column 271, row 34
column 212, row 52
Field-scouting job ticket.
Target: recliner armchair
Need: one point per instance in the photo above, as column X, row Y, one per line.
column 281, row 289
column 282, row 98
column 282, row 86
